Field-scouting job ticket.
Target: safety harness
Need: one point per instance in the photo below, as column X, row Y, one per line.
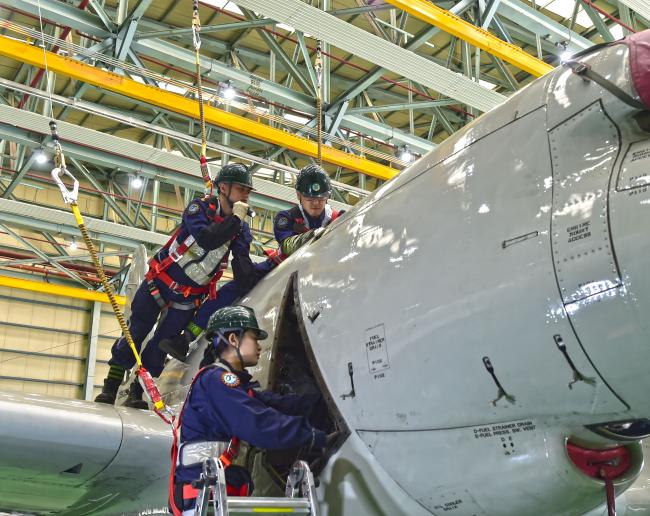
column 228, row 453
column 185, row 254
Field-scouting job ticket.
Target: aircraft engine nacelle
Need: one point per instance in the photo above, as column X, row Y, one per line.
column 76, row 457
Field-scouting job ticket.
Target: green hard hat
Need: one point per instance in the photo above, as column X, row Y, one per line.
column 235, row 173
column 312, row 181
column 234, row 317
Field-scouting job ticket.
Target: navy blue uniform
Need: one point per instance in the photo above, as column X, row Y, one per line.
column 197, row 221
column 294, row 222
column 215, row 411
column 229, row 293
column 294, row 228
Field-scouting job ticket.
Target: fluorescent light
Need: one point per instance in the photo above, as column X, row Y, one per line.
column 296, row 118
column 286, row 27
column 486, row 84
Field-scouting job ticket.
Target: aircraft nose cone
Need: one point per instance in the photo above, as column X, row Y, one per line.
column 639, row 44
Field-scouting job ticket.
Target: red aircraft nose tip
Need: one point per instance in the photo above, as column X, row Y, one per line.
column 639, row 44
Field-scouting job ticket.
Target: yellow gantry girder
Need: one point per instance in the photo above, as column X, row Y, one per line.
column 452, row 24
column 176, row 103
column 57, row 290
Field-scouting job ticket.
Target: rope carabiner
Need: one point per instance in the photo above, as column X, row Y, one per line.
column 70, row 197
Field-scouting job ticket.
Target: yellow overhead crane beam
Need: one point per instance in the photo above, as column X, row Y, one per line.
column 176, row 103
column 57, row 290
column 452, row 24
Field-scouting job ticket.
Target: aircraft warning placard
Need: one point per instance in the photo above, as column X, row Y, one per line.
column 376, row 349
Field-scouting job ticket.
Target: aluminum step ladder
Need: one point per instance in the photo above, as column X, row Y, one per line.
column 300, row 494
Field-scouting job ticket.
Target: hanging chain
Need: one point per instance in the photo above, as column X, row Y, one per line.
column 196, row 39
column 318, row 67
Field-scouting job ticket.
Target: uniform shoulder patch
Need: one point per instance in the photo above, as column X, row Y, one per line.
column 282, row 222
column 193, row 208
column 230, row 379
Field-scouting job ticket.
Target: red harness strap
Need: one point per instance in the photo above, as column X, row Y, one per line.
column 165, row 278
column 157, row 268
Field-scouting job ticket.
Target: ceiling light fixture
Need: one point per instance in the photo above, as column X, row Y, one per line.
column 229, row 92
column 136, row 182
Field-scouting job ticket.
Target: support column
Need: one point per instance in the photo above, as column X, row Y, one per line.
column 154, row 208
column 91, row 359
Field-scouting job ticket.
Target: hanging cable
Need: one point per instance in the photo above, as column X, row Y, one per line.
column 47, row 72
column 196, row 39
column 318, row 67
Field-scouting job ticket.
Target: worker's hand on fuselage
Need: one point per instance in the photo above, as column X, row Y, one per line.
column 318, row 232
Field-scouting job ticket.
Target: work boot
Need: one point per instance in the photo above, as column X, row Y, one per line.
column 134, row 399
column 109, row 391
column 176, row 346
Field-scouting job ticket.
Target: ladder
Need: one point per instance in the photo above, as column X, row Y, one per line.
column 300, row 494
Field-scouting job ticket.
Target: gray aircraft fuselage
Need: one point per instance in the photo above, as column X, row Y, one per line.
column 465, row 321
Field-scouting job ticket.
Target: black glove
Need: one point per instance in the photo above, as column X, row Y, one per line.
column 218, row 233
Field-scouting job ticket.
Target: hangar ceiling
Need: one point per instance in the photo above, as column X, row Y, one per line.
column 393, row 87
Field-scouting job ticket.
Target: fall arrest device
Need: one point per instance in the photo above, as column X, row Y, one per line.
column 187, row 255
column 70, row 198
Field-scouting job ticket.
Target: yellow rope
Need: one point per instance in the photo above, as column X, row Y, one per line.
column 196, row 30
column 318, row 66
column 152, row 390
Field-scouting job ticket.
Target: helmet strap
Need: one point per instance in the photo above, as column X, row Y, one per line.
column 227, row 196
column 326, row 218
column 239, row 336
column 304, row 215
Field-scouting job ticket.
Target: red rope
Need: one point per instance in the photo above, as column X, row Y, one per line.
column 608, row 15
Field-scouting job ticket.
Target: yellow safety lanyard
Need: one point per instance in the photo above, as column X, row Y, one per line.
column 70, row 198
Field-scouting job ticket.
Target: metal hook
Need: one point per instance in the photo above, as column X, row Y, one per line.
column 69, row 196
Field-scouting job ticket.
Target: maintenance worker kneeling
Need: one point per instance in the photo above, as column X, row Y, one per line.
column 221, row 408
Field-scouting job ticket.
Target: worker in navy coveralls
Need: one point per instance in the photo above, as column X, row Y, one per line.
column 292, row 228
column 178, row 345
column 306, row 221
column 184, row 273
column 222, row 405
